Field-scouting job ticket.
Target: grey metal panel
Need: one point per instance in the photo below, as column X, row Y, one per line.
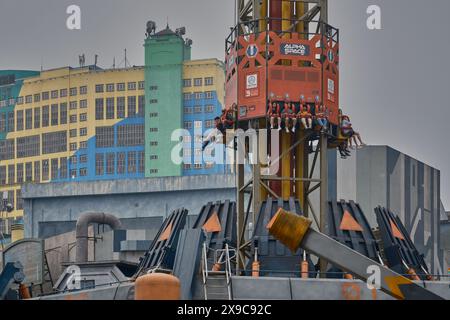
column 248, row 288
column 161, row 253
column 187, row 259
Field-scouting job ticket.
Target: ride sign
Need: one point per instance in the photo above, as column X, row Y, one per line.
column 295, row 49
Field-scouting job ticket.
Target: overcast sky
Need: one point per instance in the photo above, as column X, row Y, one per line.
column 394, row 81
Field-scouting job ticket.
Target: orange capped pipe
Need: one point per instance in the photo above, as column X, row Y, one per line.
column 157, row 286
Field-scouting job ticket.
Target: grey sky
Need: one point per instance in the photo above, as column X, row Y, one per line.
column 394, row 82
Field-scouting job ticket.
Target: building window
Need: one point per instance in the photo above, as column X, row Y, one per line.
column 11, row 174
column 153, row 130
column 29, row 99
column 132, row 162
column 73, row 92
column 45, row 116
column 197, row 124
column 153, row 143
column 187, row 166
column 73, row 173
column 153, row 157
column 198, row 95
column 73, row 133
column 45, row 170
column 37, row 97
column 54, row 142
column 63, row 168
column 28, row 172
column 55, row 114
column 209, row 165
column 19, row 200
column 83, row 132
column 209, row 95
column 11, row 124
column 110, row 162
column 131, row 107
column 20, row 173
column 45, row 95
column 198, row 109
column 209, row 108
column 198, row 166
column 28, row 146
column 121, row 87
column 99, row 164
column 187, row 152
column 110, row 87
column 141, row 85
column 37, row 171
column 73, row 118
column 187, row 83
column 3, row 122
column 83, row 90
column 131, row 85
column 83, row 104
column 54, row 94
column 188, row 110
column 121, row 163
column 198, row 82
column 83, row 158
column 153, row 171
column 187, row 96
column 63, row 113
column 73, row 105
column 141, row 167
column 99, row 88
column 188, row 124
column 209, row 81
column 141, row 106
column 2, row 175
column 7, row 150
column 130, row 135
column 153, row 88
column 99, row 109
column 63, row 93
column 73, row 161
column 83, row 172
column 83, row 145
column 83, row 117
column 104, row 137
column 110, row 108
column 153, row 101
column 19, row 120
column 54, row 168
column 187, row 139
column 153, row 114
column 19, row 100
column 209, row 124
column 121, row 107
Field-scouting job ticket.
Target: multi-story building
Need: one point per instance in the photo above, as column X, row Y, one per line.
column 88, row 123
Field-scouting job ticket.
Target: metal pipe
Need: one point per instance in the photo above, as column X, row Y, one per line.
column 82, row 231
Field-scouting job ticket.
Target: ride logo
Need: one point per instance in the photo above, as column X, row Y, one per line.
column 295, row 49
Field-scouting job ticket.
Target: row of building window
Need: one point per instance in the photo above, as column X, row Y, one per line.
column 37, row 171
column 111, row 87
column 111, row 163
column 128, row 135
column 30, row 146
column 199, row 109
column 198, row 95
column 198, row 124
column 198, row 82
column 72, row 92
column 208, row 165
column 134, row 107
column 38, row 117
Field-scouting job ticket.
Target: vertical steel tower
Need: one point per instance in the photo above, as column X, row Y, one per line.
column 282, row 51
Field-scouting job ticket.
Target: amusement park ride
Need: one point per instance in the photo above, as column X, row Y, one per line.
column 283, row 53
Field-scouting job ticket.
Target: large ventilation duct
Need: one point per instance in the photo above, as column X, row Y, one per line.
column 82, row 231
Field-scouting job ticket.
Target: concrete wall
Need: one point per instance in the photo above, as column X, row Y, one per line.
column 380, row 175
column 156, row 197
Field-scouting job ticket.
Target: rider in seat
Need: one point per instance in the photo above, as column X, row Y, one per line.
column 274, row 114
column 321, row 116
column 304, row 114
column 289, row 113
column 352, row 135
